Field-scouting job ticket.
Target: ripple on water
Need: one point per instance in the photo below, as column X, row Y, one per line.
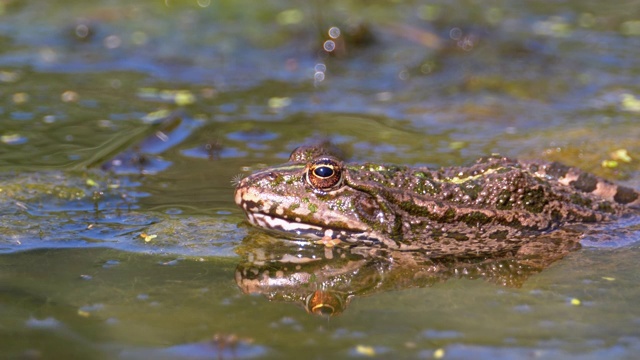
column 249, row 136
column 203, row 152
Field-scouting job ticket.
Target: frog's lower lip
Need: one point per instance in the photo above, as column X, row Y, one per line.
column 306, row 230
column 276, row 223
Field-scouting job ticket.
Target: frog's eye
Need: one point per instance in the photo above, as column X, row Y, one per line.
column 324, row 174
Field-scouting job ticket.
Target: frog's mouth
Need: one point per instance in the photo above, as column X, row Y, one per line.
column 276, row 223
column 306, row 230
column 251, row 203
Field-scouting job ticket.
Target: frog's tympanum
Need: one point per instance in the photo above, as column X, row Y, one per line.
column 494, row 207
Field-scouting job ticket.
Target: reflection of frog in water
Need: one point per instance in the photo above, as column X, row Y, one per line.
column 495, row 206
column 325, row 279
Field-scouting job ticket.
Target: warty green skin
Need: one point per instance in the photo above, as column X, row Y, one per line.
column 495, row 206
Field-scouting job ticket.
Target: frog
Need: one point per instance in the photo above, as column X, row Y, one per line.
column 495, row 206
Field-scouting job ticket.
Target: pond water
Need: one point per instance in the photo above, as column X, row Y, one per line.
column 113, row 246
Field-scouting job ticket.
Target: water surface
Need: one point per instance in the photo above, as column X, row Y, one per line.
column 140, row 261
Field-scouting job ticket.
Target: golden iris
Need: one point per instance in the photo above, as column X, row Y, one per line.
column 324, row 173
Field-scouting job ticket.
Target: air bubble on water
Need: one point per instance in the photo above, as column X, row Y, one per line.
column 329, row 45
column 319, row 74
column 112, row 42
column 334, row 32
column 82, row 31
column 455, row 33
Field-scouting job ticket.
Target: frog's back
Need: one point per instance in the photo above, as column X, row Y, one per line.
column 498, row 204
column 505, row 184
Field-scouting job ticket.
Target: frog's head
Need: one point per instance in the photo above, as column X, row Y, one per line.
column 311, row 198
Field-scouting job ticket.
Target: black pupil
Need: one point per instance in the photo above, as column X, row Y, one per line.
column 323, row 171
